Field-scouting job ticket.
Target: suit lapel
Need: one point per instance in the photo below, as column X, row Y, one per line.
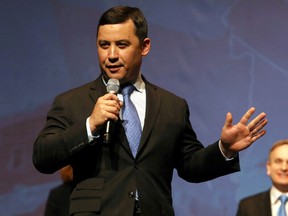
column 265, row 204
column 153, row 102
column 97, row 89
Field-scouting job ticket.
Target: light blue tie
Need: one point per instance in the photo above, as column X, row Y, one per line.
column 282, row 211
column 131, row 121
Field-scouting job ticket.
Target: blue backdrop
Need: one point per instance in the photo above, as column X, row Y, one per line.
column 224, row 55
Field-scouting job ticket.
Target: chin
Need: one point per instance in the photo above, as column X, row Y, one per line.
column 283, row 183
column 115, row 75
column 111, row 75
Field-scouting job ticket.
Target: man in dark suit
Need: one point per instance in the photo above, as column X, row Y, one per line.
column 268, row 203
column 110, row 179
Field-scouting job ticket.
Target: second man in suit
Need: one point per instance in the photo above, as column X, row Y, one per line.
column 268, row 203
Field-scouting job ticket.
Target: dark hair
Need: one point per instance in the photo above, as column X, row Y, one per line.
column 120, row 14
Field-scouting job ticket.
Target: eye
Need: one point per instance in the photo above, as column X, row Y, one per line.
column 278, row 161
column 104, row 44
column 122, row 44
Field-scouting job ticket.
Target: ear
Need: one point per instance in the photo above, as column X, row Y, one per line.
column 268, row 172
column 146, row 46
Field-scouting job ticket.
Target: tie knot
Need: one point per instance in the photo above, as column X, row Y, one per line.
column 127, row 90
column 283, row 199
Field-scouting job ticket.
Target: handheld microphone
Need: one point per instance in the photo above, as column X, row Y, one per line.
column 113, row 86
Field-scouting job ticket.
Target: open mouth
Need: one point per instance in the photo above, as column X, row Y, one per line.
column 114, row 68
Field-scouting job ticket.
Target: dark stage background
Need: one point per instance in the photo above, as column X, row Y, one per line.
column 224, row 55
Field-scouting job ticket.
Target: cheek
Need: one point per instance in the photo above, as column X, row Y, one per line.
column 132, row 61
column 101, row 56
column 130, row 55
column 101, row 59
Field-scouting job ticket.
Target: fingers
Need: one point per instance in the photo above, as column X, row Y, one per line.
column 245, row 118
column 228, row 121
column 110, row 106
column 257, row 129
column 254, row 126
column 258, row 123
column 109, row 97
column 258, row 135
column 254, row 122
column 107, row 107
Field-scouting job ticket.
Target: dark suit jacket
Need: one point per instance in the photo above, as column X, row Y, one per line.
column 58, row 200
column 107, row 175
column 255, row 205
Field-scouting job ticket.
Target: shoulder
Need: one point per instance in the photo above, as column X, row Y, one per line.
column 84, row 92
column 261, row 196
column 163, row 92
column 80, row 90
column 257, row 204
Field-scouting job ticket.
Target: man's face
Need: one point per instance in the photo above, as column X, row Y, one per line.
column 277, row 168
column 120, row 51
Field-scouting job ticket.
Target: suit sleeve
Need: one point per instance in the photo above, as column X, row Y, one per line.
column 62, row 137
column 197, row 163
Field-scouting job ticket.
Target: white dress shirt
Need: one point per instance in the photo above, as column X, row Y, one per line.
column 275, row 202
column 138, row 97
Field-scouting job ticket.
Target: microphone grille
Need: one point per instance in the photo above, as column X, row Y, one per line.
column 113, row 85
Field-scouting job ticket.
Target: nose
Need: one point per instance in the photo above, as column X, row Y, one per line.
column 284, row 166
column 113, row 54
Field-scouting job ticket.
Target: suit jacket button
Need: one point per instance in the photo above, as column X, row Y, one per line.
column 136, row 166
column 131, row 194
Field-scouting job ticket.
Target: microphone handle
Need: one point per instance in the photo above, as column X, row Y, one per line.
column 112, row 87
column 107, row 137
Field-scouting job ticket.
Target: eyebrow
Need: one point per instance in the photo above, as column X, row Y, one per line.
column 118, row 41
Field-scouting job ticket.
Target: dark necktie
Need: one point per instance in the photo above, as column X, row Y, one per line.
column 282, row 211
column 131, row 121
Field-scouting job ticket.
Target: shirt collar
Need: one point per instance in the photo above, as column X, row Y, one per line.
column 139, row 83
column 275, row 194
